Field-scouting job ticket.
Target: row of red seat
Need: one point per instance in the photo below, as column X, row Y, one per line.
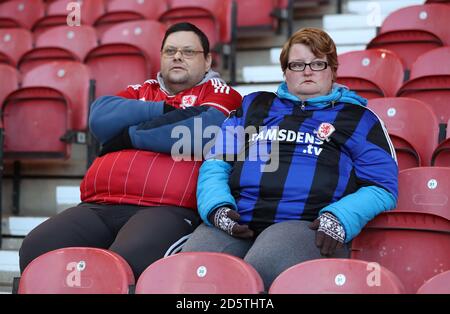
column 411, row 241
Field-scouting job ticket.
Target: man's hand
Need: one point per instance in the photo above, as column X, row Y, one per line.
column 120, row 142
column 330, row 233
column 226, row 219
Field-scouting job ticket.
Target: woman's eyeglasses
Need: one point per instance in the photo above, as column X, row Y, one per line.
column 299, row 66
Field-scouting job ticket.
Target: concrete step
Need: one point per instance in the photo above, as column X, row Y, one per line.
column 251, row 88
column 345, row 37
column 20, row 226
column 352, row 21
column 262, row 74
column 9, row 267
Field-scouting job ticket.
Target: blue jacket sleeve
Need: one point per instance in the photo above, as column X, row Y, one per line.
column 110, row 115
column 212, row 188
column 162, row 134
column 355, row 210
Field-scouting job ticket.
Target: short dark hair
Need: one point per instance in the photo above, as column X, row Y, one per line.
column 188, row 27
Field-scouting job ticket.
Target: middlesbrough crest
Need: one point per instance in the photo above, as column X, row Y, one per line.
column 188, row 101
column 324, row 131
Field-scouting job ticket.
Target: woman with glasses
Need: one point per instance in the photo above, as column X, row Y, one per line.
column 295, row 175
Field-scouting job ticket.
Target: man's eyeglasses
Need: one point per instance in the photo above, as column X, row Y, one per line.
column 185, row 52
column 299, row 66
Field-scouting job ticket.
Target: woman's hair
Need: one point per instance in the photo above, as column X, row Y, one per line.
column 318, row 41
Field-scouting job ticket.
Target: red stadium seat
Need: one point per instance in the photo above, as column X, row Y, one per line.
column 72, row 79
column 115, row 66
column 20, row 13
column 58, row 13
column 439, row 284
column 371, row 73
column 34, row 119
column 146, row 35
column 60, row 43
column 200, row 273
column 343, row 276
column 430, row 81
column 10, row 84
column 412, row 126
column 424, row 190
column 438, row 1
column 14, row 42
column 262, row 18
column 441, row 155
column 77, row 270
column 413, row 245
column 414, row 30
column 119, row 11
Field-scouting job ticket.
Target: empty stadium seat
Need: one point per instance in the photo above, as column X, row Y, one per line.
column 146, row 35
column 57, row 13
column 72, row 79
column 439, row 284
column 343, row 276
column 262, row 18
column 441, row 155
column 119, row 11
column 371, row 73
column 60, row 43
column 412, row 245
column 200, row 273
column 9, row 85
column 77, row 270
column 21, row 13
column 430, row 81
column 14, row 42
column 424, row 190
column 414, row 30
column 412, row 126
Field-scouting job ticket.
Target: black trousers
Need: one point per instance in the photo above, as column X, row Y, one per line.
column 141, row 235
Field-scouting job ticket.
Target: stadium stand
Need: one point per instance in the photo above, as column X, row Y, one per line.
column 371, row 73
column 430, row 81
column 77, row 271
column 438, row 284
column 31, row 187
column 412, row 126
column 414, row 30
column 200, row 273
column 14, row 42
column 343, row 276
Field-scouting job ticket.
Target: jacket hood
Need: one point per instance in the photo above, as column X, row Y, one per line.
column 338, row 94
column 208, row 76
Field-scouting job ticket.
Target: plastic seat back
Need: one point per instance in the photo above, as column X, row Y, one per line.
column 425, row 190
column 20, row 13
column 146, row 35
column 343, row 276
column 14, row 42
column 10, row 84
column 371, row 73
column 430, row 82
column 413, row 127
column 441, row 155
column 72, row 79
column 439, row 284
column 200, row 273
column 77, row 270
column 412, row 245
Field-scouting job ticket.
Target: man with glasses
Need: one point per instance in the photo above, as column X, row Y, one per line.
column 136, row 199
